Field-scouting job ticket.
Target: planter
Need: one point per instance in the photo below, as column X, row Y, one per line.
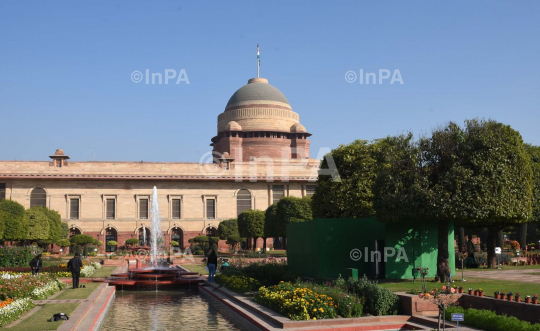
column 535, row 301
column 527, row 300
column 477, row 293
column 509, row 297
column 503, row 296
column 518, row 299
column 497, row 296
column 515, row 264
column 470, row 292
column 460, row 291
column 481, row 294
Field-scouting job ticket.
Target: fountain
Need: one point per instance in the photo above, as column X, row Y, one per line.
column 157, row 273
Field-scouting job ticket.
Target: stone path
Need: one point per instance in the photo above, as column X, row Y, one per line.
column 525, row 275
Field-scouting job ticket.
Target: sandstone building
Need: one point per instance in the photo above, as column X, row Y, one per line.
column 261, row 153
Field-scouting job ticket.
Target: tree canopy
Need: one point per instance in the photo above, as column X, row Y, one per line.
column 38, row 224
column 132, row 241
column 227, row 228
column 82, row 239
column 251, row 224
column 13, row 216
column 63, row 243
column 352, row 197
column 534, row 153
column 271, row 222
column 290, row 210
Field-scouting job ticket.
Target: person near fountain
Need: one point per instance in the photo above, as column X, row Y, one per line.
column 36, row 264
column 75, row 265
column 212, row 263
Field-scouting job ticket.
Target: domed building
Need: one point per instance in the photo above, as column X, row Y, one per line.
column 258, row 121
column 111, row 201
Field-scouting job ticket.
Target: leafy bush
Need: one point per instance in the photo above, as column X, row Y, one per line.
column 87, row 271
column 348, row 305
column 63, row 243
column 13, row 256
column 268, row 272
column 489, row 320
column 379, row 301
column 12, row 216
column 238, row 284
column 132, row 242
column 297, row 302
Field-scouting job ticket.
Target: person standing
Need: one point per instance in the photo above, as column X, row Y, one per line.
column 212, row 264
column 75, row 265
column 36, row 264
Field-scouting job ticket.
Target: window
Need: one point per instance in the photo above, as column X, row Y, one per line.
column 243, row 201
column 176, row 208
column 143, row 209
column 144, row 237
column 2, row 191
column 278, row 192
column 178, row 236
column 310, row 190
column 38, row 198
column 110, row 235
column 111, row 209
column 74, row 209
column 210, row 209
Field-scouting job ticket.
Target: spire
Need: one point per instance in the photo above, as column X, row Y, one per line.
column 258, row 60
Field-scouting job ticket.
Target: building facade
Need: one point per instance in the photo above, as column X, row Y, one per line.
column 260, row 154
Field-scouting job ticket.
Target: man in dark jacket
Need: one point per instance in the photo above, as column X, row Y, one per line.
column 75, row 265
column 36, row 264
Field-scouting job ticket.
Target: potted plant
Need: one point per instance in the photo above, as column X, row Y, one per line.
column 503, row 295
column 518, row 297
column 528, row 299
column 480, row 292
column 470, row 291
column 497, row 295
column 460, row 290
column 515, row 264
column 476, row 292
column 535, row 299
column 510, row 296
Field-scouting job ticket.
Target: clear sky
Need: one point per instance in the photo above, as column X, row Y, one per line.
column 65, row 70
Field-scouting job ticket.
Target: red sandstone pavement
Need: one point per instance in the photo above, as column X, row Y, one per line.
column 525, row 275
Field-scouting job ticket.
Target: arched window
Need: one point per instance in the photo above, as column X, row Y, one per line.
column 73, row 232
column 110, row 235
column 178, row 235
column 243, row 201
column 144, row 237
column 38, row 198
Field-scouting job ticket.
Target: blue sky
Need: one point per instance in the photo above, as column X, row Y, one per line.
column 65, row 70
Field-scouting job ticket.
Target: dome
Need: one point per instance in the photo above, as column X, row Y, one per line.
column 257, row 89
column 298, row 128
column 59, row 152
column 233, row 126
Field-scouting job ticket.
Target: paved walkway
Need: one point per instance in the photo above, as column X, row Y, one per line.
column 525, row 275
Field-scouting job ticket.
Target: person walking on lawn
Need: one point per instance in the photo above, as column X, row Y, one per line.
column 75, row 265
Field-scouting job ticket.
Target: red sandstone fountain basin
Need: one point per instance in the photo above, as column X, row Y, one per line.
column 152, row 277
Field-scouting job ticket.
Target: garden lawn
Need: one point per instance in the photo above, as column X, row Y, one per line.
column 278, row 253
column 80, row 293
column 489, row 286
column 104, row 271
column 196, row 268
column 38, row 320
column 503, row 267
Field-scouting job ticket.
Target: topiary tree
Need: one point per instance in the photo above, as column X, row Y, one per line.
column 65, row 231
column 112, row 243
column 63, row 243
column 291, row 210
column 13, row 218
column 82, row 240
column 271, row 222
column 227, row 229
column 55, row 226
column 174, row 243
column 38, row 224
column 251, row 225
column 132, row 242
column 233, row 240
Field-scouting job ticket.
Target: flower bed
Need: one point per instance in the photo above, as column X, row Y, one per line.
column 57, row 271
column 268, row 272
column 297, row 302
column 238, row 284
column 10, row 310
column 25, row 285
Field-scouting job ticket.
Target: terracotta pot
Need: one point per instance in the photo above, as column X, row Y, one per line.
column 460, row 290
column 515, row 264
column 470, row 292
column 497, row 296
column 509, row 297
column 527, row 300
column 518, row 299
column 481, row 294
column 530, row 262
column 503, row 296
column 535, row 301
column 477, row 293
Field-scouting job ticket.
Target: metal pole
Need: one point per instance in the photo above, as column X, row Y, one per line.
column 462, row 277
column 444, row 318
column 457, row 328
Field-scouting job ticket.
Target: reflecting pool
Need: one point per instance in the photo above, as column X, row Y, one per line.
column 182, row 309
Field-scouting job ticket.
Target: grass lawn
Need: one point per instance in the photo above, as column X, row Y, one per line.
column 488, row 285
column 196, row 268
column 38, row 321
column 278, row 253
column 80, row 293
column 104, row 271
column 505, row 267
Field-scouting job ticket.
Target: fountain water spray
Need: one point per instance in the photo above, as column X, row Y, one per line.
column 156, row 236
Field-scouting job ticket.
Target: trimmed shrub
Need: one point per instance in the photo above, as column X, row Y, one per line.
column 489, row 320
column 379, row 301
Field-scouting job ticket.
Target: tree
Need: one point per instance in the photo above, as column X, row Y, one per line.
column 132, row 242
column 13, row 216
column 251, row 225
column 55, row 225
column 534, row 153
column 290, row 210
column 271, row 221
column 82, row 240
column 38, row 224
column 227, row 228
column 352, row 197
column 63, row 243
column 65, row 231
